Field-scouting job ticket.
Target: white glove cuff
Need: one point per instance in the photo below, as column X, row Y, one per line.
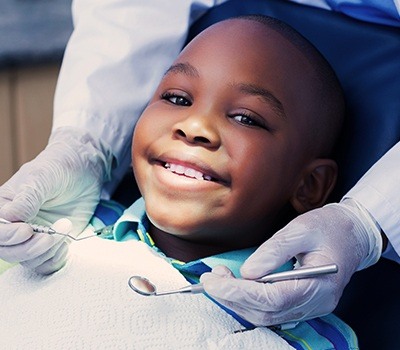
column 372, row 230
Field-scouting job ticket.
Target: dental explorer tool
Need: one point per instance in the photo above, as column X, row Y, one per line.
column 45, row 229
column 144, row 287
column 35, row 228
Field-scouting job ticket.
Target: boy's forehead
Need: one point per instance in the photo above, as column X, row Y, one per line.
column 251, row 48
column 243, row 39
column 241, row 31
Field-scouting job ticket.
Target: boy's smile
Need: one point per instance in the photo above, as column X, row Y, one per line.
column 218, row 152
column 189, row 170
column 183, row 171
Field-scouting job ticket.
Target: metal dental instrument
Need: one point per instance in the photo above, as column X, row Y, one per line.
column 45, row 229
column 144, row 287
column 35, row 228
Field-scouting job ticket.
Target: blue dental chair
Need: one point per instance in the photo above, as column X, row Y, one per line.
column 366, row 58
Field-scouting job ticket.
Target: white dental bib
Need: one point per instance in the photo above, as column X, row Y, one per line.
column 89, row 305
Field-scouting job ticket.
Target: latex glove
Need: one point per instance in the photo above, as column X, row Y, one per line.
column 64, row 180
column 343, row 234
column 32, row 250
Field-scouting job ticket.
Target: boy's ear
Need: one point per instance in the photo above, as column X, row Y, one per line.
column 316, row 184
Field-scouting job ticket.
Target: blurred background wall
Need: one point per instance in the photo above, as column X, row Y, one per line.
column 33, row 36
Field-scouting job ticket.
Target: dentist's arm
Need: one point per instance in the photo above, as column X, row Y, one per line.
column 379, row 193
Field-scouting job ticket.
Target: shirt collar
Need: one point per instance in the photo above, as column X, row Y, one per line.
column 134, row 224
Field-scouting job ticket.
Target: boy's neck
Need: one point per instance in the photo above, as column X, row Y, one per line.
column 182, row 249
column 186, row 250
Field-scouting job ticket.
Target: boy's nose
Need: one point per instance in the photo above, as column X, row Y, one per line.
column 198, row 130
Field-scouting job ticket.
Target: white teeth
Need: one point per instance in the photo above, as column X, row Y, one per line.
column 178, row 169
column 194, row 173
column 189, row 172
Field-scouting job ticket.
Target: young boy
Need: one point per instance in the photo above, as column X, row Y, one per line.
column 236, row 139
column 238, row 133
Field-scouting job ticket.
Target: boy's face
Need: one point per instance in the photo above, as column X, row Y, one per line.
column 219, row 150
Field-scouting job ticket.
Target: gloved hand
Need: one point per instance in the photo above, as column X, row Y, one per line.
column 343, row 234
column 39, row 257
column 64, row 180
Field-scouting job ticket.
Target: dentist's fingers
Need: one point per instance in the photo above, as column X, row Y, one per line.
column 344, row 234
column 56, row 257
column 39, row 251
column 12, row 234
column 30, row 249
column 55, row 262
column 277, row 250
column 51, row 260
column 270, row 303
column 222, row 271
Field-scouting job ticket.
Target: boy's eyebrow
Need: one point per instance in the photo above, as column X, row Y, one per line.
column 185, row 68
column 266, row 95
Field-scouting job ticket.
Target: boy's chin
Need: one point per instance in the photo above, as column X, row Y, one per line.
column 179, row 220
column 177, row 229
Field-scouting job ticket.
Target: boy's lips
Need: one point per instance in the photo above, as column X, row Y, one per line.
column 193, row 168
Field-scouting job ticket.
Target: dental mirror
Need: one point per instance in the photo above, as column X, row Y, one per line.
column 144, row 287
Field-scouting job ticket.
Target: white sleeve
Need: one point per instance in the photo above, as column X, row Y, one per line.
column 116, row 56
column 379, row 192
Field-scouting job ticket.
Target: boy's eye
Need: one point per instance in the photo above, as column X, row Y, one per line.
column 248, row 120
column 244, row 119
column 176, row 99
